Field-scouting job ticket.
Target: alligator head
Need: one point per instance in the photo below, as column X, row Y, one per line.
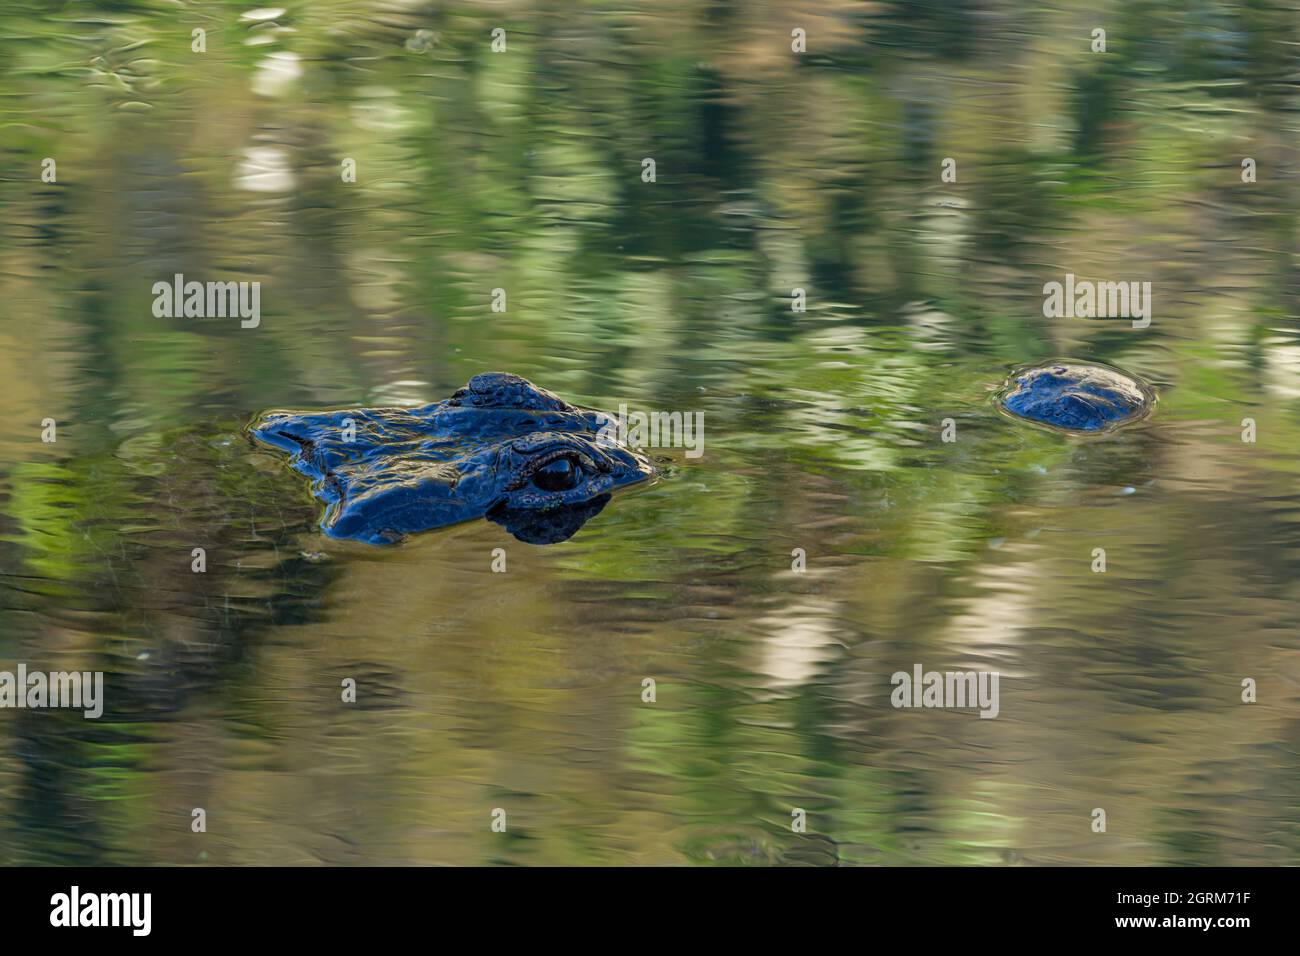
column 499, row 448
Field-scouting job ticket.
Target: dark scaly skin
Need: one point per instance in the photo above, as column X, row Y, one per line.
column 499, row 448
column 1074, row 397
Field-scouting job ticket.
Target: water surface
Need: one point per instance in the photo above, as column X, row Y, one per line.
column 523, row 690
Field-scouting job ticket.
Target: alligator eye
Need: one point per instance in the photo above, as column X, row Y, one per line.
column 559, row 475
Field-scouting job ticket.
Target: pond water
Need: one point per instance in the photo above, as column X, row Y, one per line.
column 860, row 507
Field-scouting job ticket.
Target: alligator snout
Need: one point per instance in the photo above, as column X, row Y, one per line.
column 1074, row 397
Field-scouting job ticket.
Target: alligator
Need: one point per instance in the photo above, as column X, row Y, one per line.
column 500, row 448
column 1074, row 397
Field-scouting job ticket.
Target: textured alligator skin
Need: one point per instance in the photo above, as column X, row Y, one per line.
column 499, row 448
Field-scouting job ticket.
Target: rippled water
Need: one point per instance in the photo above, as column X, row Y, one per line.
column 824, row 435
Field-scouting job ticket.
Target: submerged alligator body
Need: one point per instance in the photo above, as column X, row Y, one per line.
column 499, row 448
column 1072, row 397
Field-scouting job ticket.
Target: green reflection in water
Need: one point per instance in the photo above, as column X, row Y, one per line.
column 522, row 171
